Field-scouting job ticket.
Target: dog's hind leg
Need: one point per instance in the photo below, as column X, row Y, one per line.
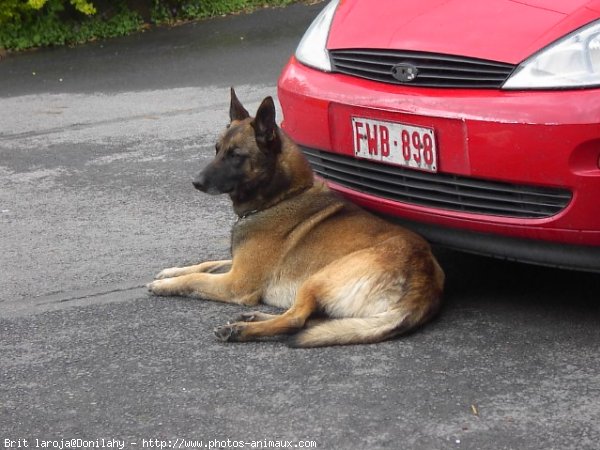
column 291, row 321
column 206, row 267
column 372, row 306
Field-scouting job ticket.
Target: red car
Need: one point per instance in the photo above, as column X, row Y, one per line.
column 475, row 122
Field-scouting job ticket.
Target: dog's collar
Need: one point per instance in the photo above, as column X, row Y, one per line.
column 248, row 214
column 287, row 197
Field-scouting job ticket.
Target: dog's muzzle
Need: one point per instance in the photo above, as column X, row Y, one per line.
column 202, row 183
column 199, row 182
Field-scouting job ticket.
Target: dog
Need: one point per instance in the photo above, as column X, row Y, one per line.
column 299, row 246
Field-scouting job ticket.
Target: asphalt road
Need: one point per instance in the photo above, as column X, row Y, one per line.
column 98, row 145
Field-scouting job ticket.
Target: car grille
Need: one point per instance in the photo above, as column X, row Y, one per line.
column 438, row 190
column 434, row 70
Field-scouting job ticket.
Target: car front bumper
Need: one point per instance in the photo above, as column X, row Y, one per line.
column 547, row 139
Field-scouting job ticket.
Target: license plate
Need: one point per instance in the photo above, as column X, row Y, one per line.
column 395, row 143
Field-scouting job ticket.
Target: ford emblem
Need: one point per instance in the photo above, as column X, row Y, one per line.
column 405, row 72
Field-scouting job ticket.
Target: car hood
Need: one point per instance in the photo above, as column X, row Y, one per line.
column 500, row 30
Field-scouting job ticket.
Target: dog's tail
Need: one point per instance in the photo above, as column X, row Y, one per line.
column 360, row 330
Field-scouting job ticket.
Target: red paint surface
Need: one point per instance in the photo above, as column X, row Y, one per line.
column 500, row 30
column 546, row 138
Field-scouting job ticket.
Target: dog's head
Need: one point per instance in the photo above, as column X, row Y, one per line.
column 246, row 154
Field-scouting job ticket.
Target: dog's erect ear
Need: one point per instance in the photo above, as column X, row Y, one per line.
column 264, row 123
column 236, row 110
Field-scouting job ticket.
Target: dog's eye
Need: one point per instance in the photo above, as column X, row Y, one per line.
column 237, row 155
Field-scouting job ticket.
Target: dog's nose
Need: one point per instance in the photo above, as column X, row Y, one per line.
column 199, row 182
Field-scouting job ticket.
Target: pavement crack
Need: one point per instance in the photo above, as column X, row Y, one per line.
column 95, row 294
column 99, row 123
column 115, row 293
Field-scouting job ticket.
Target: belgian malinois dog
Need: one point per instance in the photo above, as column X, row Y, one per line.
column 299, row 246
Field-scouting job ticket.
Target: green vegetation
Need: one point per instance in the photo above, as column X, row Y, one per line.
column 37, row 23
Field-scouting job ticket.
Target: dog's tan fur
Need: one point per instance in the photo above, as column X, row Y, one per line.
column 299, row 246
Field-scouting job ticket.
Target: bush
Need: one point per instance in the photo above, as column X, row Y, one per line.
column 38, row 23
column 174, row 10
column 16, row 10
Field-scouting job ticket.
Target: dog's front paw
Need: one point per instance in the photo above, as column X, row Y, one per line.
column 168, row 273
column 229, row 332
column 159, row 287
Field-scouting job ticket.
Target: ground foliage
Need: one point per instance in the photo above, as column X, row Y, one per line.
column 38, row 23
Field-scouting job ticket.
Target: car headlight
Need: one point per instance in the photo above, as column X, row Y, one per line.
column 570, row 62
column 312, row 50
